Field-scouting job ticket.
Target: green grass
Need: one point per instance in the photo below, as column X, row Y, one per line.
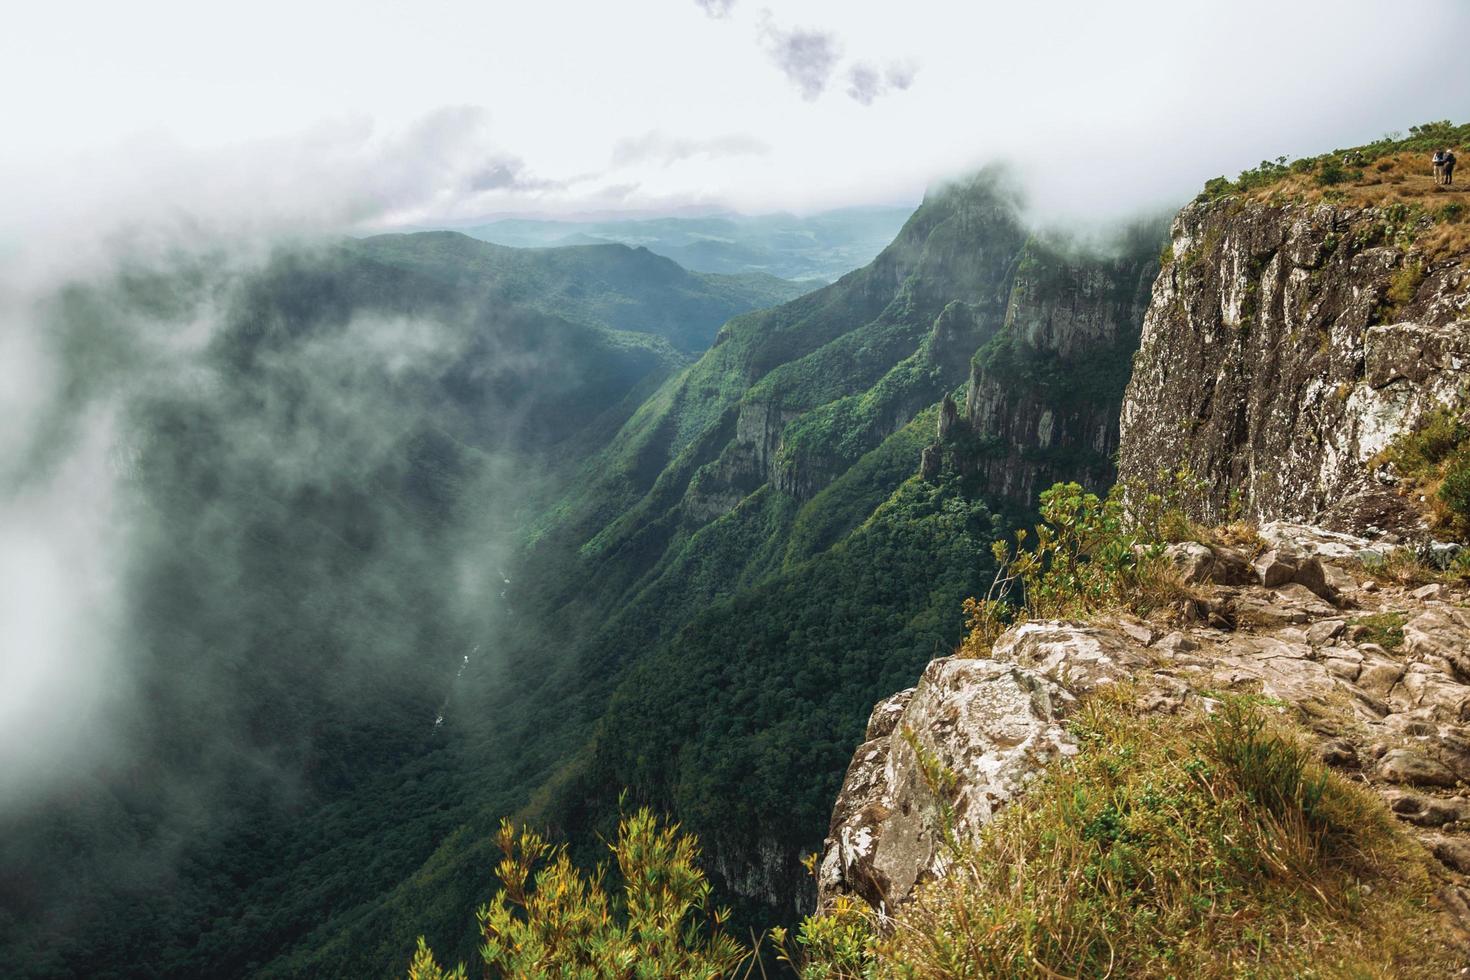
column 1434, row 460
column 1384, row 629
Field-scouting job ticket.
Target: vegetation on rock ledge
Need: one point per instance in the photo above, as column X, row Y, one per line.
column 1434, row 459
column 1194, row 845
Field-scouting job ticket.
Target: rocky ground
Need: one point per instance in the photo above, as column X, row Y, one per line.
column 1377, row 675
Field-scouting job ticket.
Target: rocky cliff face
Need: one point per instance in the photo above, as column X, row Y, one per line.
column 1041, row 402
column 1284, row 347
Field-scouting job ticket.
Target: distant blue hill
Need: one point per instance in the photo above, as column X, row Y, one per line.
column 822, row 246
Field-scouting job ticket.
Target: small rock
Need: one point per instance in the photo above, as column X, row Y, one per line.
column 1178, row 642
column 1137, row 632
column 1379, row 678
column 1192, row 560
column 1274, row 568
column 1338, row 752
column 1414, row 769
column 1423, row 811
column 1368, row 585
column 1323, row 632
column 1231, row 568
column 1309, row 572
column 1339, row 578
column 1454, row 852
column 1427, row 592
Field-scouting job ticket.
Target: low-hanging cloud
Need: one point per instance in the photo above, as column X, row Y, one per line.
column 716, row 8
column 806, row 56
column 658, row 147
column 509, row 173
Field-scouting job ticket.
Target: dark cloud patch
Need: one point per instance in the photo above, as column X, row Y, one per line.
column 656, row 147
column 866, row 83
column 807, row 57
column 716, row 8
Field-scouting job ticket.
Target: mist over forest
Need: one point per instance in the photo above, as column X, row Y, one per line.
column 289, row 481
column 582, row 415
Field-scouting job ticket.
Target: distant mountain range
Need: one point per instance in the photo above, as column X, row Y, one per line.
column 820, row 246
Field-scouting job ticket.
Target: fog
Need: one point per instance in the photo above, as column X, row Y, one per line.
column 203, row 455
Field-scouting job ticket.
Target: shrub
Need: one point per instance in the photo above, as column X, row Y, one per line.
column 1404, row 284
column 1216, row 188
column 1090, row 554
column 551, row 920
column 1454, row 488
column 1331, row 173
column 1434, row 461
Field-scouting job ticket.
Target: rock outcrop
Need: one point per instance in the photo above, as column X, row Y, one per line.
column 1285, row 346
column 1298, row 623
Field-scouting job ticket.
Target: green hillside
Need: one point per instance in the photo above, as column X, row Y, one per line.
column 321, row 504
column 707, row 614
column 541, row 561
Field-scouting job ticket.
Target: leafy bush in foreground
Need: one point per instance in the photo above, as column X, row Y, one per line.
column 558, row 922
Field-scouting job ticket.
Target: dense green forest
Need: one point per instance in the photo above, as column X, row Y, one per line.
column 320, row 499
column 538, row 563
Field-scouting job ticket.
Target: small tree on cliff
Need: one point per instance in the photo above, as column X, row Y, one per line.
column 558, row 922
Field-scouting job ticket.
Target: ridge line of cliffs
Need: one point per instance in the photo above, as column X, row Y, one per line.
column 1283, row 348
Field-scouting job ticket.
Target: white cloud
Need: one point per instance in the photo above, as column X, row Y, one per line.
column 348, row 120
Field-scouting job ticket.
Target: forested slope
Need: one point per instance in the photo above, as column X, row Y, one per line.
column 709, row 612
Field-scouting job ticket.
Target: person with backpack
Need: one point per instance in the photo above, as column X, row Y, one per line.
column 1449, row 167
column 1438, row 167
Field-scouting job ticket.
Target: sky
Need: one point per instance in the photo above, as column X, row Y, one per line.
column 357, row 114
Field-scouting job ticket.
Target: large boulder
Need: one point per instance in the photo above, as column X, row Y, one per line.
column 943, row 757
column 967, row 740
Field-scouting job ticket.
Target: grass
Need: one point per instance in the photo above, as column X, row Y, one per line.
column 1433, row 460
column 1405, row 566
column 1182, row 846
column 1385, row 629
column 1092, row 557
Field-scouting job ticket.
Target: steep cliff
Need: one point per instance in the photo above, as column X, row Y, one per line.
column 1285, row 345
column 1296, row 329
column 1043, row 394
column 1372, row 680
column 765, row 557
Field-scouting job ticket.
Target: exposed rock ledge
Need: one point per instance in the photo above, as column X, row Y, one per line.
column 1397, row 718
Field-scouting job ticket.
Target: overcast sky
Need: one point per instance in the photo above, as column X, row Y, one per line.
column 370, row 112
